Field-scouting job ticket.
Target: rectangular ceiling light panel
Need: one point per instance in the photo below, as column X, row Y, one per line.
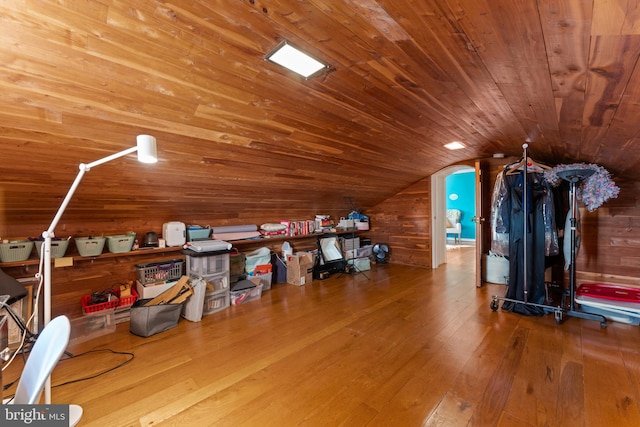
column 295, row 60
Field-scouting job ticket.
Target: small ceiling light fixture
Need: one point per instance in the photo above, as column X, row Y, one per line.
column 454, row 145
column 295, row 60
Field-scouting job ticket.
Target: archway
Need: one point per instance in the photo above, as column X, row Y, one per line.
column 438, row 209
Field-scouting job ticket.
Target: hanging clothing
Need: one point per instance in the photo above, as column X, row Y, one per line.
column 499, row 231
column 526, row 273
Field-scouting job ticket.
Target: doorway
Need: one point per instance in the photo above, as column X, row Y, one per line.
column 439, row 203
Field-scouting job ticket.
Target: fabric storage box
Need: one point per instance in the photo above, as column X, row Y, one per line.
column 151, row 320
column 207, row 265
column 90, row 246
column 18, row 250
column 121, row 243
column 58, row 247
column 214, row 302
column 161, row 271
column 246, row 295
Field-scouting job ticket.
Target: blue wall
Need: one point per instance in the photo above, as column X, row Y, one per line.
column 463, row 185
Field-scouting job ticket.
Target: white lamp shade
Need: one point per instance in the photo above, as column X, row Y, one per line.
column 147, row 150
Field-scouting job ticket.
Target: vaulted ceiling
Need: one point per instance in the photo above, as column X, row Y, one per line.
column 80, row 79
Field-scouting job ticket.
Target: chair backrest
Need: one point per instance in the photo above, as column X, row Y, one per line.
column 44, row 356
column 453, row 215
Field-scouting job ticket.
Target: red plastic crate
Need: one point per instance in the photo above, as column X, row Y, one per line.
column 127, row 301
column 609, row 292
column 87, row 307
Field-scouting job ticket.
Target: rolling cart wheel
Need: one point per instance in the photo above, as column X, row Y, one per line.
column 558, row 316
column 494, row 305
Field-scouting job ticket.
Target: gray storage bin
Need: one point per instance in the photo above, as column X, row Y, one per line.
column 151, row 320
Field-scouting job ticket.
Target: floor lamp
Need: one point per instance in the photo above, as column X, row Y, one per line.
column 147, row 153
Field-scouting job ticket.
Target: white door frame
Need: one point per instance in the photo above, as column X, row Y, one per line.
column 438, row 213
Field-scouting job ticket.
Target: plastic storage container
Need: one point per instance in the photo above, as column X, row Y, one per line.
column 18, row 250
column 246, row 295
column 120, row 243
column 207, row 265
column 90, row 246
column 219, row 282
column 92, row 326
column 163, row 271
column 89, row 308
column 214, row 302
column 265, row 280
column 197, row 233
column 58, row 247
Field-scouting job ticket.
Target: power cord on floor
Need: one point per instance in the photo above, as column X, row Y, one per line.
column 74, row 356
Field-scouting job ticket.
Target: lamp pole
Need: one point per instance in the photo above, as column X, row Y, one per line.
column 147, row 153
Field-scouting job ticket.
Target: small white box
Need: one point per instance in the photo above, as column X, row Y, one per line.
column 174, row 233
column 365, row 251
column 152, row 290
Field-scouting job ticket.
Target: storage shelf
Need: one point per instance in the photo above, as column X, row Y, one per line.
column 298, row 237
column 235, row 243
column 76, row 258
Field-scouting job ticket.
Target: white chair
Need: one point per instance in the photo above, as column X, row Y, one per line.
column 43, row 358
column 453, row 224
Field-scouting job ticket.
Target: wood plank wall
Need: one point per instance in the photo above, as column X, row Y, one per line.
column 610, row 251
column 610, row 248
column 404, row 223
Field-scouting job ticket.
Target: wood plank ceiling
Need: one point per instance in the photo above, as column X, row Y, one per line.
column 81, row 78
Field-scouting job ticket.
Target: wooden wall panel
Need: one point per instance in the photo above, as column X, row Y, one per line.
column 610, row 249
column 404, row 223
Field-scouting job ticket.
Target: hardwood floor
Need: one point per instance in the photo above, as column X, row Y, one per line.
column 409, row 347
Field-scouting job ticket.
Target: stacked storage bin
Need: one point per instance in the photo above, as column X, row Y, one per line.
column 350, row 247
column 213, row 267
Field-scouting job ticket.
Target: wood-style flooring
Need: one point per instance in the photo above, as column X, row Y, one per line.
column 408, row 347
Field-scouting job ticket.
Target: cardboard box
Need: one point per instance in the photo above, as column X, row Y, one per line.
column 152, row 290
column 300, row 268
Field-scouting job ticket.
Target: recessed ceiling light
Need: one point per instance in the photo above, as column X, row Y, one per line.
column 295, row 60
column 454, row 145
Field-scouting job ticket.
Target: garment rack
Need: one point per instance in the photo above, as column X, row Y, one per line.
column 557, row 310
column 574, row 176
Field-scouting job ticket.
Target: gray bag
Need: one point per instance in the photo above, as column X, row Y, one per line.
column 151, row 320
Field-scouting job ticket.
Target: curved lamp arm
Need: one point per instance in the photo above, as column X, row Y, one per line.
column 147, row 153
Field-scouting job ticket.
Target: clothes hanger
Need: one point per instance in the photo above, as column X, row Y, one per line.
column 532, row 166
